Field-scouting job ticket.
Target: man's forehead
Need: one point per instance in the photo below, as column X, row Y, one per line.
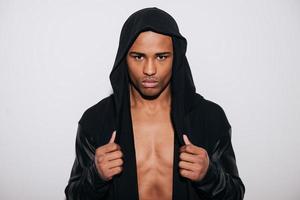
column 152, row 41
column 152, row 34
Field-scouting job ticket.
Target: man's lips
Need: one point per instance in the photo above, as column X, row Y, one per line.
column 149, row 84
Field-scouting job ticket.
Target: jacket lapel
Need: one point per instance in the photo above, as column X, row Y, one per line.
column 126, row 183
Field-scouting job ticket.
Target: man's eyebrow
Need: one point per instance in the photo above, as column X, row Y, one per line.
column 143, row 54
column 164, row 53
column 136, row 53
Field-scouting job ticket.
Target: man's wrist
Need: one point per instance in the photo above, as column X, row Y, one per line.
column 95, row 178
column 210, row 175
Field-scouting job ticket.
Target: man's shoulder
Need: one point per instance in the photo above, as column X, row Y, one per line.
column 98, row 111
column 205, row 105
column 210, row 110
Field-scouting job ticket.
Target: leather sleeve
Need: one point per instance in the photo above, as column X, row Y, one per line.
column 222, row 181
column 85, row 182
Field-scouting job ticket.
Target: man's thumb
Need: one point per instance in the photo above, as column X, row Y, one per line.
column 186, row 139
column 112, row 139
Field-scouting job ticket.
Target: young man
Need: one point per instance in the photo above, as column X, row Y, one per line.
column 154, row 137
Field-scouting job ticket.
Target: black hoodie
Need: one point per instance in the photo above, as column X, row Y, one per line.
column 202, row 120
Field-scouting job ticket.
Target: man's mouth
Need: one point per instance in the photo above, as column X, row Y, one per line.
column 149, row 84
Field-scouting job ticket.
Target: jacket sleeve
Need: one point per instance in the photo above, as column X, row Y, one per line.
column 85, row 183
column 222, row 181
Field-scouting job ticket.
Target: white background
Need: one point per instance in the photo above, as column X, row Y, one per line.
column 56, row 56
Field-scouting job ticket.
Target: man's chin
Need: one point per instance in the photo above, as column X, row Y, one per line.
column 150, row 95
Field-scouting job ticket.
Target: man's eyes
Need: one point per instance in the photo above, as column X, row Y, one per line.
column 159, row 57
column 138, row 57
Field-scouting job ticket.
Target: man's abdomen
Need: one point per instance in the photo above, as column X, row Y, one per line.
column 154, row 156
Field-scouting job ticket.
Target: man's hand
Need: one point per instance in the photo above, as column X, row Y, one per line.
column 194, row 161
column 108, row 159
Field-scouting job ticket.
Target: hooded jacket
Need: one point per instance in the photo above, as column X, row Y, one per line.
column 202, row 120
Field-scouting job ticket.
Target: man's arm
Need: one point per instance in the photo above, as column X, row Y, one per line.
column 222, row 181
column 85, row 181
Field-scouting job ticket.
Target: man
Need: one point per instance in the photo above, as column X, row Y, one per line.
column 154, row 137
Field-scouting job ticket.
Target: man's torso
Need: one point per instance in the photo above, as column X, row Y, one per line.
column 154, row 144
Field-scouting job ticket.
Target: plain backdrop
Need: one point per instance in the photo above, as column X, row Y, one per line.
column 55, row 60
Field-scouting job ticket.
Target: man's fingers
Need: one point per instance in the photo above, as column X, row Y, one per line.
column 189, row 157
column 112, row 147
column 187, row 165
column 186, row 173
column 107, row 148
column 112, row 139
column 115, row 163
column 190, row 148
column 186, row 139
column 116, row 170
column 114, row 155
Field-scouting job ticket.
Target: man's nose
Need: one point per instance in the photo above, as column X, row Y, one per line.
column 149, row 68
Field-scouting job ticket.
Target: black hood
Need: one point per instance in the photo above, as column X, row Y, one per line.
column 182, row 85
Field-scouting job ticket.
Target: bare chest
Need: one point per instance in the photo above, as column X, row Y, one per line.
column 154, row 144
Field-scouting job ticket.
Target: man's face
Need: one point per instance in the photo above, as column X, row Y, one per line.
column 149, row 63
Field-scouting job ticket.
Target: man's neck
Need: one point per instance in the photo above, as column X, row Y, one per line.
column 138, row 102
